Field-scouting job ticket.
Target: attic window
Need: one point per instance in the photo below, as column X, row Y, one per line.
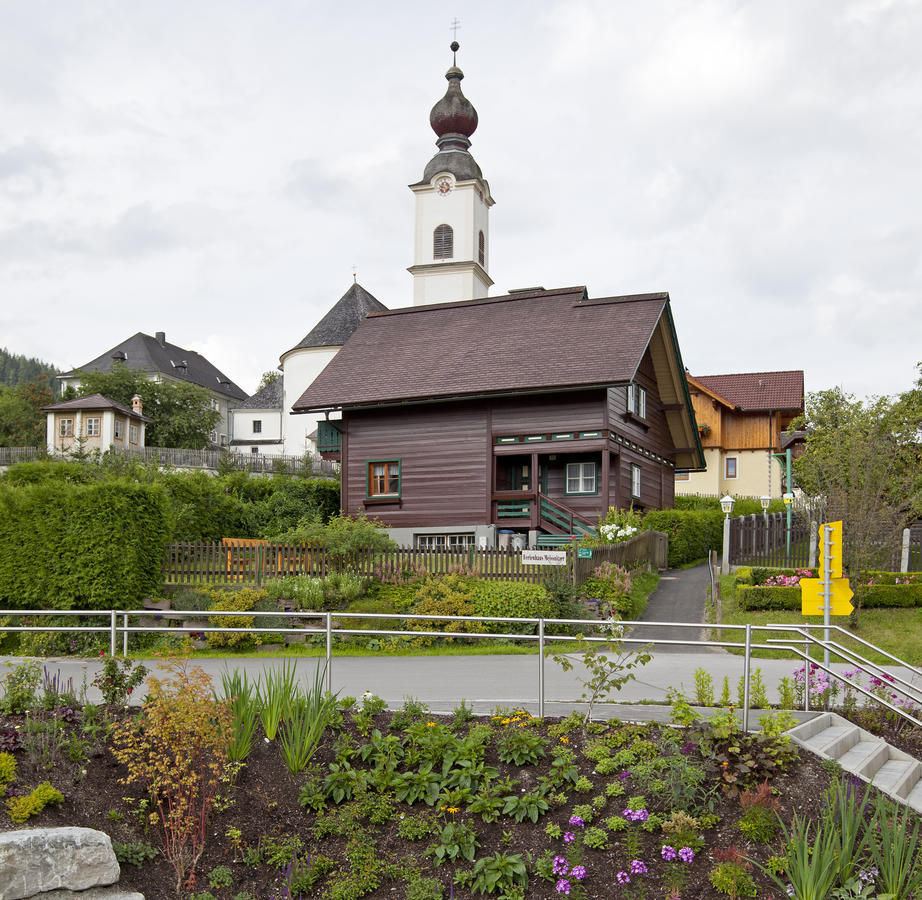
column 443, row 242
column 481, row 249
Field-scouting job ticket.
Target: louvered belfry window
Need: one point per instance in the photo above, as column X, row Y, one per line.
column 481, row 249
column 443, row 242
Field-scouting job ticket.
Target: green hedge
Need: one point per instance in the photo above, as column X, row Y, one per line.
column 758, row 575
column 742, row 506
column 756, row 597
column 691, row 532
column 81, row 546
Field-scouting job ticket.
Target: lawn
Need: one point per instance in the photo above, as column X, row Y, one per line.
column 894, row 630
column 407, row 804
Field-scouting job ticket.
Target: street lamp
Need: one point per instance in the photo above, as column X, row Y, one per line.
column 765, row 500
column 726, row 504
column 788, row 498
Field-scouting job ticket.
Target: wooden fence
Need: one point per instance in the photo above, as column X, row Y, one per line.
column 239, row 561
column 763, row 541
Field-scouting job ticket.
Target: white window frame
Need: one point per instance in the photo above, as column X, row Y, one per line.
column 582, row 475
column 736, row 468
column 636, row 480
column 444, row 541
column 65, row 427
column 636, row 399
column 93, row 426
column 133, row 434
column 119, row 429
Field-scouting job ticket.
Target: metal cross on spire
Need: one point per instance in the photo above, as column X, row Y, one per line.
column 453, row 28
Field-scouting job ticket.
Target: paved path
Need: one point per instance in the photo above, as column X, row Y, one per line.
column 679, row 597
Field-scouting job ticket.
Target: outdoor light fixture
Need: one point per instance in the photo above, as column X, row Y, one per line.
column 788, row 498
column 726, row 504
column 765, row 499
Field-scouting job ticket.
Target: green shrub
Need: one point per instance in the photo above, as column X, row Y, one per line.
column 233, row 601
column 22, row 808
column 691, row 532
column 330, row 593
column 742, row 506
column 444, row 595
column 81, row 546
column 752, row 597
column 7, row 771
column 400, row 596
column 511, row 598
column 611, row 586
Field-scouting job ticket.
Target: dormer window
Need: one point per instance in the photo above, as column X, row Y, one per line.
column 481, row 249
column 443, row 242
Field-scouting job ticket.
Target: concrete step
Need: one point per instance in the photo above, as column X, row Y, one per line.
column 863, row 754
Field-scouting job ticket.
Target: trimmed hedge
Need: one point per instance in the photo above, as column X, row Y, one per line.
column 81, row 546
column 759, row 597
column 758, row 575
column 691, row 532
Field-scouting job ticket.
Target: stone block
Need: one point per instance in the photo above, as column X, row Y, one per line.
column 35, row 860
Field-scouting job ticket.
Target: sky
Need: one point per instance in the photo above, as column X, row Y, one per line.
column 215, row 170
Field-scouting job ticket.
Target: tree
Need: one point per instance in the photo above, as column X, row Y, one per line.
column 182, row 413
column 861, row 460
column 268, row 378
column 22, row 422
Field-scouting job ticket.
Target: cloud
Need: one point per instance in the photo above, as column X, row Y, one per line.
column 26, row 167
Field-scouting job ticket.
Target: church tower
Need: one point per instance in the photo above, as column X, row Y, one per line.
column 451, row 242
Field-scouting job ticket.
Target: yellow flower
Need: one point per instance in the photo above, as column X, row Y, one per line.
column 454, row 809
column 564, row 740
column 506, row 721
column 430, row 724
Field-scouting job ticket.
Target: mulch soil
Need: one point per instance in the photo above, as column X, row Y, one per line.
column 265, row 803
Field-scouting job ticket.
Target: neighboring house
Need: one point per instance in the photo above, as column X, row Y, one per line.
column 532, row 412
column 305, row 361
column 741, row 419
column 94, row 423
column 256, row 424
column 162, row 361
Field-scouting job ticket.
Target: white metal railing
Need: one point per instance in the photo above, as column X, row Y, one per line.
column 117, row 623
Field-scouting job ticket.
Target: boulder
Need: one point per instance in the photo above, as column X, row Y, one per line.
column 36, row 860
column 101, row 893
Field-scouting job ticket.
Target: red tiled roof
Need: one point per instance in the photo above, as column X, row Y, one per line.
column 524, row 341
column 758, row 390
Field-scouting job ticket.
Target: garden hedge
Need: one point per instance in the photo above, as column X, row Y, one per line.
column 81, row 546
column 511, row 598
column 759, row 597
column 691, row 532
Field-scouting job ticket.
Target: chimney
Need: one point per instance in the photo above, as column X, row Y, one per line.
column 136, row 404
column 161, row 337
column 119, row 356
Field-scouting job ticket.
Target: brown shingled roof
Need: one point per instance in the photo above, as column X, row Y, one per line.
column 525, row 341
column 759, row 390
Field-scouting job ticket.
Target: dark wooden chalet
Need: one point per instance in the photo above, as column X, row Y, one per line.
column 532, row 412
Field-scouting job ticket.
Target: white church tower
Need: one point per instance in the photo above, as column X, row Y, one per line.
column 451, row 242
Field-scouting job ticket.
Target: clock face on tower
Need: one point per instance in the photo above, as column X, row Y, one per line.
column 444, row 186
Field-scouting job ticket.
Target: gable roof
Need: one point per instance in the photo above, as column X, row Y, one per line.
column 758, row 390
column 270, row 397
column 94, row 402
column 531, row 341
column 336, row 327
column 143, row 353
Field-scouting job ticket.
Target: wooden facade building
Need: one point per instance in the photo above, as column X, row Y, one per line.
column 529, row 413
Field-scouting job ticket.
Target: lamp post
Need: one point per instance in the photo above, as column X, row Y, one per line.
column 726, row 504
column 788, row 498
column 765, row 500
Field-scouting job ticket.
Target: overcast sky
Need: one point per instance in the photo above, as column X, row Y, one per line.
column 215, row 170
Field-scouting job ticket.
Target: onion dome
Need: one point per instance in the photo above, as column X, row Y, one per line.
column 453, row 118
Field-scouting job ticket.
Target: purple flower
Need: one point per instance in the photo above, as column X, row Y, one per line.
column 686, row 854
column 579, row 872
column 563, row 886
column 625, row 775
column 638, row 868
column 640, row 815
column 560, row 866
column 569, row 837
column 577, row 821
column 622, row 878
column 668, row 853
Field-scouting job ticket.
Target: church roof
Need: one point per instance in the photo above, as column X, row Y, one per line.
column 336, row 327
column 143, row 353
column 270, row 397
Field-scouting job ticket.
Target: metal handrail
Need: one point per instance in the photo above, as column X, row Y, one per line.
column 326, row 627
